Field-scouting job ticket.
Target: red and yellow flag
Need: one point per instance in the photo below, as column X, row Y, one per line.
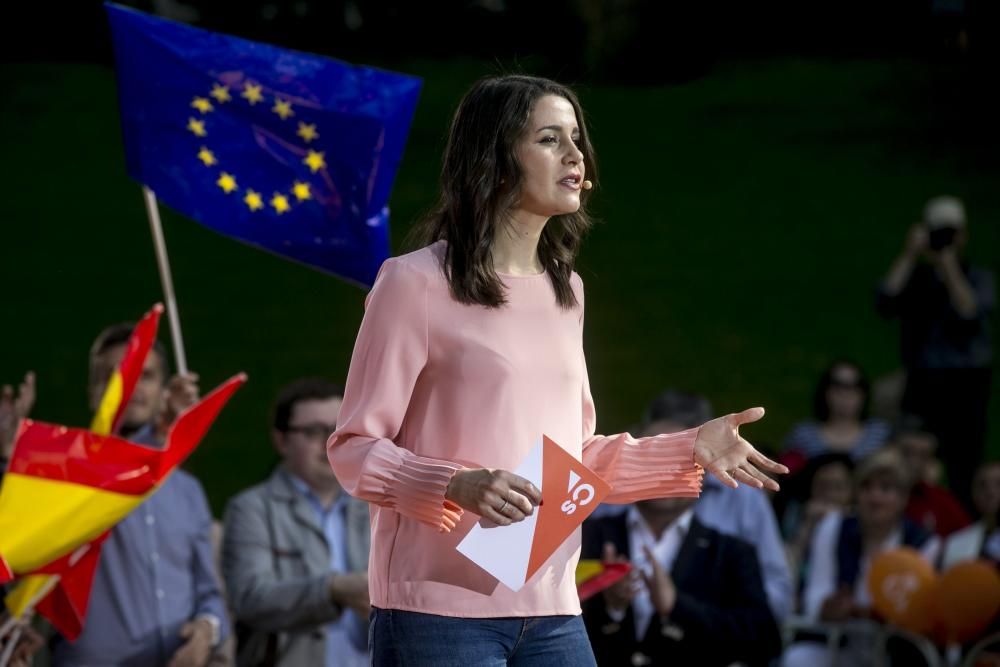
column 64, row 487
column 122, row 381
column 593, row 576
column 62, row 592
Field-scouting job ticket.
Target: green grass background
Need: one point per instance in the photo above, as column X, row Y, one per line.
column 745, row 219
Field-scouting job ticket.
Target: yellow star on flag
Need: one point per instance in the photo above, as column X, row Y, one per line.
column 226, row 182
column 307, row 132
column 197, row 127
column 202, row 104
column 283, row 108
column 301, row 191
column 251, row 93
column 253, row 200
column 220, row 93
column 280, row 203
column 315, row 161
column 207, row 157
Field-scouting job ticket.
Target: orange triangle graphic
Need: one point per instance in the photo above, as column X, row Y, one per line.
column 571, row 492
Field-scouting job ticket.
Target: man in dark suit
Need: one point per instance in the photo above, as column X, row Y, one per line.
column 694, row 597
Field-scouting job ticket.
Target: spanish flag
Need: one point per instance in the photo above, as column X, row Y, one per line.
column 123, row 380
column 61, row 590
column 64, row 487
column 593, row 576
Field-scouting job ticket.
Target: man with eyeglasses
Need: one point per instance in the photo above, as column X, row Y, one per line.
column 295, row 548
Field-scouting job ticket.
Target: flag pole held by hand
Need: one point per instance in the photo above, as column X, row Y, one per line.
column 153, row 212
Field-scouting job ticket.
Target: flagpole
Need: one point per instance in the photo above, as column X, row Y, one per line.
column 8, row 650
column 153, row 212
column 23, row 618
column 9, row 622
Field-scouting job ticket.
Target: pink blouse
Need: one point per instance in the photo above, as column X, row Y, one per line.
column 435, row 386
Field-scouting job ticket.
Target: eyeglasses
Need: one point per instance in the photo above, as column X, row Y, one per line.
column 314, row 431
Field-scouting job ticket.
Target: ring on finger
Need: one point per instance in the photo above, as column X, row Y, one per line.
column 506, row 501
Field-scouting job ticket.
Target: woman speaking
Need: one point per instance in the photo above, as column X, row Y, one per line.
column 470, row 349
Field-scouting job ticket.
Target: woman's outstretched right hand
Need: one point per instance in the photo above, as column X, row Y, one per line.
column 498, row 495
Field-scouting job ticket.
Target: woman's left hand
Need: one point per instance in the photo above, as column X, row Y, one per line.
column 721, row 450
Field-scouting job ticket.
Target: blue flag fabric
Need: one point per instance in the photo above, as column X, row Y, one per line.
column 288, row 151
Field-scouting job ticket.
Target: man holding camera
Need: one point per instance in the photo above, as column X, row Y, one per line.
column 944, row 306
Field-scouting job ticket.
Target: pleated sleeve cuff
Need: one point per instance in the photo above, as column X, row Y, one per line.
column 412, row 485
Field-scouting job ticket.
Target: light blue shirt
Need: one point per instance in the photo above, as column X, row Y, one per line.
column 746, row 513
column 346, row 637
column 156, row 573
column 664, row 549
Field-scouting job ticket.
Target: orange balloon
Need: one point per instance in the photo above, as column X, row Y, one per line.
column 967, row 599
column 901, row 585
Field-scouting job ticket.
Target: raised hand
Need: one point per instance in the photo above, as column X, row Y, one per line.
column 618, row 596
column 721, row 450
column 662, row 592
column 179, row 394
column 916, row 240
column 15, row 406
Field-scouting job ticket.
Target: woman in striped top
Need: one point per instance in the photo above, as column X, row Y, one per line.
column 840, row 421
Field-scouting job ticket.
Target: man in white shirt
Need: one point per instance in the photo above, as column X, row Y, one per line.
column 695, row 595
column 981, row 539
column 744, row 512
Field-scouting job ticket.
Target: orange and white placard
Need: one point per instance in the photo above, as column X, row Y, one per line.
column 570, row 492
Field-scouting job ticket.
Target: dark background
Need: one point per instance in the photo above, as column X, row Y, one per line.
column 760, row 166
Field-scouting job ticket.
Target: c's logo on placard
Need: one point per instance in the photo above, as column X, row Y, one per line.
column 580, row 494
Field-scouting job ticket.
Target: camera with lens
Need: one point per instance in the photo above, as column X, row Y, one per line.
column 942, row 237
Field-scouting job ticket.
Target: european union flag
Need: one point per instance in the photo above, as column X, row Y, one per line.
column 288, row 151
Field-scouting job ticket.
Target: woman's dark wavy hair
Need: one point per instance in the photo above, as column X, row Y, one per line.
column 821, row 409
column 480, row 185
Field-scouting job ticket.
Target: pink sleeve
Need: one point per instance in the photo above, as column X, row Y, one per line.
column 389, row 353
column 660, row 466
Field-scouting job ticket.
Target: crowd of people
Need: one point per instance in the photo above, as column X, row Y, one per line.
column 714, row 580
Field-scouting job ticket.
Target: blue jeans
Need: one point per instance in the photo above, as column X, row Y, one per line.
column 397, row 638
